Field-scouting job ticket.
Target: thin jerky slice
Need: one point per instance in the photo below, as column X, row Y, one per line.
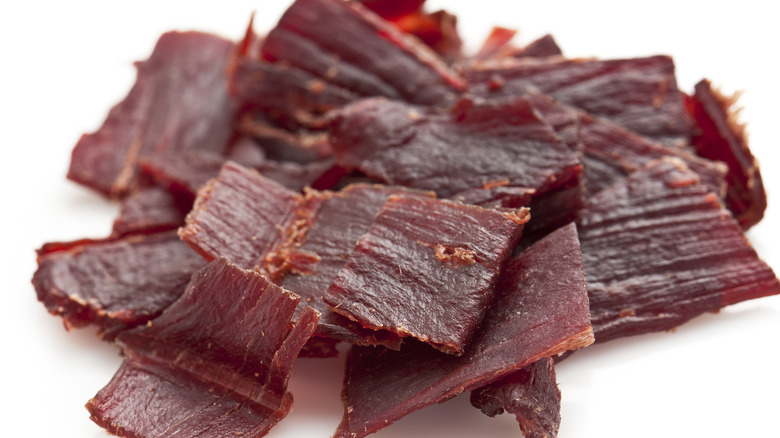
column 240, row 216
column 659, row 249
column 612, row 153
column 478, row 145
column 720, row 137
column 195, row 371
column 115, row 283
column 427, row 268
column 438, row 30
column 340, row 43
column 640, row 93
column 179, row 102
column 314, row 260
column 149, row 210
column 543, row 47
column 299, row 241
column 531, row 394
column 496, row 42
column 538, row 312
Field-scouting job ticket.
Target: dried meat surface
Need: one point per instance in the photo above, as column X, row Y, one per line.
column 479, row 145
column 299, row 241
column 427, row 268
column 214, row 364
column 540, row 48
column 538, row 312
column 178, row 103
column 659, row 249
column 640, row 93
column 531, row 394
column 114, row 283
column 149, row 210
column 324, row 52
column 720, row 137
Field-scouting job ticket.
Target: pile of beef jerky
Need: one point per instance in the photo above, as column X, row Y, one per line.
column 464, row 221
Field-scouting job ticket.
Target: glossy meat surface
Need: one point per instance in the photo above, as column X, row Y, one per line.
column 537, row 312
column 659, row 249
column 179, row 102
column 215, row 363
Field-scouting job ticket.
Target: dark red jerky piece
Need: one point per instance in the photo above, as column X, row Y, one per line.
column 179, row 102
column 543, row 47
column 496, row 42
column 479, row 145
column 149, row 210
column 720, row 137
column 612, row 153
column 196, row 371
column 427, row 268
column 240, row 216
column 288, row 95
column 281, row 233
column 640, row 94
column 114, row 283
column 538, row 312
column 438, row 30
column 660, row 249
column 340, row 42
column 342, row 218
column 280, row 144
column 531, row 394
column 393, row 9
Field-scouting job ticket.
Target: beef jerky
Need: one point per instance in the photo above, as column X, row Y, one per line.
column 179, row 102
column 427, row 268
column 299, row 241
column 478, row 145
column 194, row 371
column 240, row 216
column 612, row 153
column 496, row 42
column 313, row 261
column 543, row 47
column 640, row 94
column 720, row 137
column 149, row 210
column 393, row 9
column 531, row 394
column 659, row 249
column 538, row 312
column 438, row 30
column 280, row 144
column 115, row 283
column 340, row 42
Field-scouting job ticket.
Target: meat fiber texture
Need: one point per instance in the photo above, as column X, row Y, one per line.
column 211, row 365
column 427, row 268
column 113, row 283
column 178, row 103
column 531, row 394
column 537, row 312
column 659, row 249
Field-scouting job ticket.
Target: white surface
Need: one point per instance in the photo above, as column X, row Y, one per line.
column 65, row 63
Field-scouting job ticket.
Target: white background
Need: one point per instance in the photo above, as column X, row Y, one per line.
column 65, row 63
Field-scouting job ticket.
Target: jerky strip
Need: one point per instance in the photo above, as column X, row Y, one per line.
column 641, row 93
column 179, row 102
column 196, row 372
column 720, row 137
column 427, row 268
column 531, row 394
column 659, row 249
column 114, row 283
column 527, row 322
column 149, row 210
